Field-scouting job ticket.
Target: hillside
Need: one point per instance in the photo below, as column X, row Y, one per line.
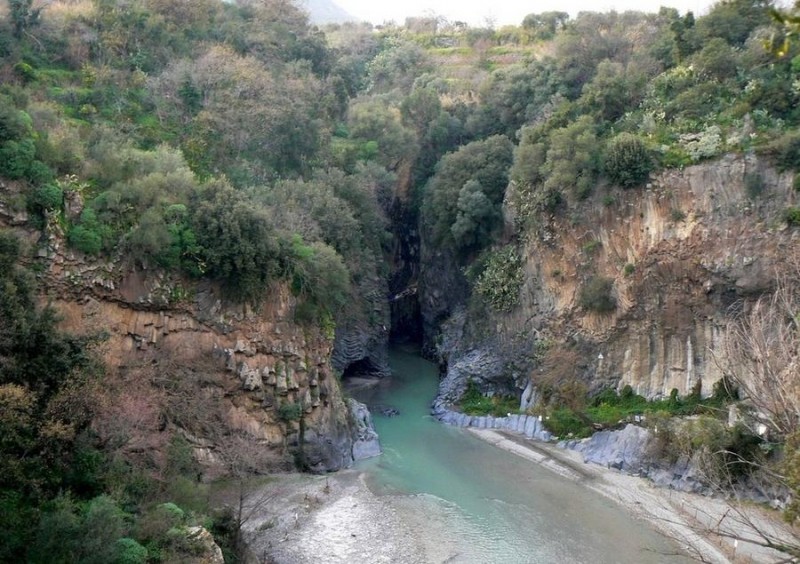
column 213, row 214
column 321, row 12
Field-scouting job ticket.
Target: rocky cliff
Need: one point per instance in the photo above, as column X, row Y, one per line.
column 181, row 359
column 684, row 253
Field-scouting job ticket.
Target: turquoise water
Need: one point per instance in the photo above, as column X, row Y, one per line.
column 495, row 506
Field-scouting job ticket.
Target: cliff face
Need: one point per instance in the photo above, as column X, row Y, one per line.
column 683, row 253
column 180, row 359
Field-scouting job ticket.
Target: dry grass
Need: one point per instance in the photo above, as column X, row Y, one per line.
column 65, row 10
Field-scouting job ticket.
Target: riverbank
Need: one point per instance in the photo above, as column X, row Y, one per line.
column 709, row 529
column 336, row 519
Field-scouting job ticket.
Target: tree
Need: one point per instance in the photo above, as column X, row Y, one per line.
column 476, row 218
column 485, row 162
column 613, row 91
column 239, row 245
column 572, row 159
column 759, row 355
column 23, row 15
column 544, row 26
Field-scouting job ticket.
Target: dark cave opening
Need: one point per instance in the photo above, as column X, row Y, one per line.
column 364, row 368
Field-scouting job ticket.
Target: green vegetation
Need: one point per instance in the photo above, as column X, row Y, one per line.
column 627, row 161
column 597, row 295
column 290, row 411
column 610, row 409
column 234, row 142
column 501, row 279
column 792, row 216
column 473, row 402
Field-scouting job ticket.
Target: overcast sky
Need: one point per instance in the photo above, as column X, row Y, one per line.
column 502, row 12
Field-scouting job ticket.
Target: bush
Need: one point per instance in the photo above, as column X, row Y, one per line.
column 628, row 269
column 46, row 197
column 501, row 279
column 792, row 216
column 473, row 402
column 677, row 215
column 703, row 145
column 290, row 412
column 130, row 552
column 564, row 423
column 16, row 158
column 785, row 151
column 597, row 295
column 87, row 236
column 39, row 173
column 628, row 162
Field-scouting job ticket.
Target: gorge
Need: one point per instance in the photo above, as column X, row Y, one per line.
column 222, row 230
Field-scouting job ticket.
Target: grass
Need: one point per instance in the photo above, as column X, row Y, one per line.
column 611, row 410
column 473, row 402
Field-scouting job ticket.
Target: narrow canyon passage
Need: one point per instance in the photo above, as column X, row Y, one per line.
column 490, row 504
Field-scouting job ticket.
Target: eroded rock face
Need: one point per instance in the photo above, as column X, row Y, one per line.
column 366, row 444
column 181, row 359
column 207, row 550
column 683, row 253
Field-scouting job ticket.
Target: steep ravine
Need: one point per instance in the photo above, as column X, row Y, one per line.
column 696, row 243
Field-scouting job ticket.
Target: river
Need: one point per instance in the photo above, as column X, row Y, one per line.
column 494, row 506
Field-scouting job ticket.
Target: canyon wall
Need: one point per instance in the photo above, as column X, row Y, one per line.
column 685, row 253
column 180, row 358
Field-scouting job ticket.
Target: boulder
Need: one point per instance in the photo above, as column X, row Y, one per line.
column 365, row 439
column 205, row 549
column 623, row 450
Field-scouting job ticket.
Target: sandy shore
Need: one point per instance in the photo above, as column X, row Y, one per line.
column 302, row 519
column 705, row 527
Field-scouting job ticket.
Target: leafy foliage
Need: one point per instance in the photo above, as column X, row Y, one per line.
column 464, row 195
column 627, row 161
column 501, row 279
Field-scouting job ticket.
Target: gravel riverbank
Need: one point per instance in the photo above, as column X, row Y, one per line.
column 302, row 519
column 705, row 527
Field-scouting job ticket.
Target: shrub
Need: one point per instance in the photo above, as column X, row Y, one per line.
column 40, row 173
column 628, row 162
column 703, row 145
column 785, row 151
column 473, row 402
column 564, row 422
column 87, row 236
column 290, row 411
column 501, row 279
column 792, row 216
column 130, row 552
column 25, row 71
column 592, row 247
column 597, row 295
column 628, row 269
column 16, row 158
column 677, row 215
column 46, row 197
